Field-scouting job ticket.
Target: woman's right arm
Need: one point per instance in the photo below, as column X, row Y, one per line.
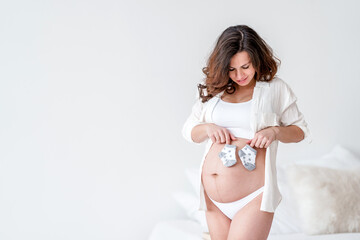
column 192, row 121
column 199, row 133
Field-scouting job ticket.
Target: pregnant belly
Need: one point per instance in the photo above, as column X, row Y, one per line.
column 228, row 184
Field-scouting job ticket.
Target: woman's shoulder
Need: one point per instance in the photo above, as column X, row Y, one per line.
column 277, row 81
column 202, row 105
column 282, row 89
column 279, row 84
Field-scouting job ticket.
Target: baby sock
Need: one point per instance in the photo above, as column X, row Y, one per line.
column 228, row 155
column 248, row 155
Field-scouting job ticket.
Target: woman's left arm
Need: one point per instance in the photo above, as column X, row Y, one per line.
column 288, row 134
column 266, row 136
column 292, row 125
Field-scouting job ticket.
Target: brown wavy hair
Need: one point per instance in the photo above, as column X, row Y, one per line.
column 233, row 40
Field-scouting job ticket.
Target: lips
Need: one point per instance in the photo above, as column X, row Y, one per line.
column 242, row 80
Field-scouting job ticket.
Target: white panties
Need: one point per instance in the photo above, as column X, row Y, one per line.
column 231, row 208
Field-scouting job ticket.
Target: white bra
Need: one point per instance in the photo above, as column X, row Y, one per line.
column 235, row 117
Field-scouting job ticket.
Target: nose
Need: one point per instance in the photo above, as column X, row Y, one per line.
column 239, row 74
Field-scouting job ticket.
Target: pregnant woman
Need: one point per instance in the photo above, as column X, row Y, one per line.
column 242, row 104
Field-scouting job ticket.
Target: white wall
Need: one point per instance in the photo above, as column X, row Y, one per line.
column 93, row 95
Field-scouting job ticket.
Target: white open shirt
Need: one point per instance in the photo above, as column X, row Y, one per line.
column 274, row 104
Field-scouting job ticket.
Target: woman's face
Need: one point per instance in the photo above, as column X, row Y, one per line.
column 241, row 70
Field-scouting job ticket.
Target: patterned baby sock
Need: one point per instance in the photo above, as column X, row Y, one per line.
column 228, row 155
column 248, row 155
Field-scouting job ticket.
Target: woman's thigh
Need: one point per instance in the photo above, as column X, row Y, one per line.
column 250, row 223
column 217, row 222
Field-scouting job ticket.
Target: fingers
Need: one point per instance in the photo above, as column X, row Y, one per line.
column 263, row 142
column 227, row 136
column 214, row 137
column 267, row 144
column 232, row 137
column 252, row 142
column 221, row 135
column 217, row 138
column 260, row 142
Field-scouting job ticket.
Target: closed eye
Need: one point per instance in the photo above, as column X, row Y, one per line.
column 234, row 68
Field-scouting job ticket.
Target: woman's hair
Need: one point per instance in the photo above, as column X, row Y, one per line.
column 233, row 40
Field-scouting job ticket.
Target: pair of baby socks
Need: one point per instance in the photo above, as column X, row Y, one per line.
column 247, row 155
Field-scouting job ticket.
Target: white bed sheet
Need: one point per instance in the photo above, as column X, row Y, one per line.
column 301, row 236
column 191, row 230
column 177, row 230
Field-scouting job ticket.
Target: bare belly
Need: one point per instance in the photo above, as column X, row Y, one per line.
column 228, row 184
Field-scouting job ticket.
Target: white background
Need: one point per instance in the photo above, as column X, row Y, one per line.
column 93, row 96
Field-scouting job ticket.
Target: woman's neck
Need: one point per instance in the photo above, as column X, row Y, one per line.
column 246, row 88
column 242, row 93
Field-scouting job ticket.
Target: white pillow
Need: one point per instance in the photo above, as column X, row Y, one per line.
column 338, row 158
column 288, row 220
column 285, row 218
column 328, row 200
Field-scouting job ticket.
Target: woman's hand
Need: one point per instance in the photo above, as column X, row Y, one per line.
column 219, row 134
column 264, row 137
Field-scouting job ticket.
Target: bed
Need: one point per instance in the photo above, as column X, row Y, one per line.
column 321, row 201
column 191, row 230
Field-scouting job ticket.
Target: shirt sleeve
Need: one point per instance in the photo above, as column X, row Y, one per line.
column 192, row 121
column 291, row 115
